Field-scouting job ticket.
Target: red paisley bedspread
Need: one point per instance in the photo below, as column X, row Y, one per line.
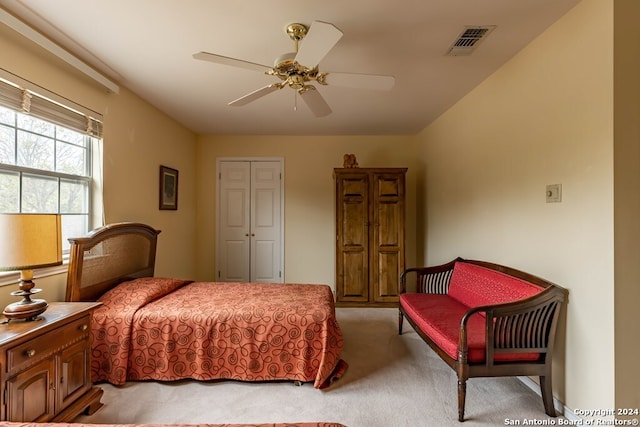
column 169, row 329
column 20, row 424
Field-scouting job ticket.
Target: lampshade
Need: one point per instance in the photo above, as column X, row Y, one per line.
column 27, row 242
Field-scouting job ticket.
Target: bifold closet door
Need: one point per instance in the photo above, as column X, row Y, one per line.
column 250, row 221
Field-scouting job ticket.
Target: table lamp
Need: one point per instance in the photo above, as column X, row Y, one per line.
column 27, row 242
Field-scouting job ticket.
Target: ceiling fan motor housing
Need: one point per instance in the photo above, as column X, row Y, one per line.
column 295, row 75
column 291, row 72
column 285, row 62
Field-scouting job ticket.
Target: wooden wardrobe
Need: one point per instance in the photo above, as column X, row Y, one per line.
column 370, row 218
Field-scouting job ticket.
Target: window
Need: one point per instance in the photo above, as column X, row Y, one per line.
column 46, row 159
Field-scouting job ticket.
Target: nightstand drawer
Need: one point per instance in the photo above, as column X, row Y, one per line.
column 44, row 345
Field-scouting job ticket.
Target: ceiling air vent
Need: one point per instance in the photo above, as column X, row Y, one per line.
column 469, row 39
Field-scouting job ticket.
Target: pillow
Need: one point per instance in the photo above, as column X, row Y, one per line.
column 138, row 292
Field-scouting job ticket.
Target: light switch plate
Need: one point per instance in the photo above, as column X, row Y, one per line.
column 554, row 193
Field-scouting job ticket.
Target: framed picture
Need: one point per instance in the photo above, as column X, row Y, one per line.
column 168, row 188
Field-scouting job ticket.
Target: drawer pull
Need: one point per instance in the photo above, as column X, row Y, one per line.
column 83, row 328
column 30, row 353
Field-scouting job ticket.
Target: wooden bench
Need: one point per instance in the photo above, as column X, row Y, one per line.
column 485, row 320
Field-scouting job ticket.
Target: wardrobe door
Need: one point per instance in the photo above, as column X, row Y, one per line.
column 352, row 236
column 370, row 214
column 387, row 235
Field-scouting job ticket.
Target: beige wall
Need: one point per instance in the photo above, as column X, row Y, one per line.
column 309, row 193
column 137, row 139
column 546, row 117
column 627, row 202
column 475, row 185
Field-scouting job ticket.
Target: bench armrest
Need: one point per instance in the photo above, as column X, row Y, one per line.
column 429, row 280
column 525, row 326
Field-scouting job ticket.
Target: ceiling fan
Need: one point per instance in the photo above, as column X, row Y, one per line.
column 297, row 69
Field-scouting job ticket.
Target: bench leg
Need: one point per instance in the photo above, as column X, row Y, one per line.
column 400, row 321
column 462, row 393
column 547, row 395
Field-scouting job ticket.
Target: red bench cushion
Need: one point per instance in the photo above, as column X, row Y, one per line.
column 474, row 286
column 438, row 316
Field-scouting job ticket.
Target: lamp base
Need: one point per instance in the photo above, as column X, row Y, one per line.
column 28, row 308
column 25, row 310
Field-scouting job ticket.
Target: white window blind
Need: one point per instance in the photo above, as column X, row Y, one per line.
column 37, row 105
column 47, row 146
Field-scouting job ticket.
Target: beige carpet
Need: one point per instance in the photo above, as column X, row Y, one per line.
column 392, row 380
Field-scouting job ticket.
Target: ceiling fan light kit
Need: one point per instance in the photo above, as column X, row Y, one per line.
column 319, row 39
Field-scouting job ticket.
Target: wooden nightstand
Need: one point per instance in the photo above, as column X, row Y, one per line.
column 45, row 365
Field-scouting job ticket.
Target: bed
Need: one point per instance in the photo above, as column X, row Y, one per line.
column 166, row 329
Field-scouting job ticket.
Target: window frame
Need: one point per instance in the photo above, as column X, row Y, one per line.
column 61, row 112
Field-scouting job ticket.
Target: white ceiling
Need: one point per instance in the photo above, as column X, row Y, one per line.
column 147, row 46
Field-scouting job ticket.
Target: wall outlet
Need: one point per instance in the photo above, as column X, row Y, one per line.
column 554, row 193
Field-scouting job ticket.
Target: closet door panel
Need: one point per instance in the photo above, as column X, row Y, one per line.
column 265, row 222
column 234, row 222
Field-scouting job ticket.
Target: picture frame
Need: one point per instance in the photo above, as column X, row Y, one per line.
column 168, row 195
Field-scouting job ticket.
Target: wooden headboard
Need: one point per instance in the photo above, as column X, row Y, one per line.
column 110, row 255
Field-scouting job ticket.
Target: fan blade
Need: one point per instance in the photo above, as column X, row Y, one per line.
column 319, row 40
column 316, row 102
column 224, row 60
column 360, row 81
column 250, row 97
